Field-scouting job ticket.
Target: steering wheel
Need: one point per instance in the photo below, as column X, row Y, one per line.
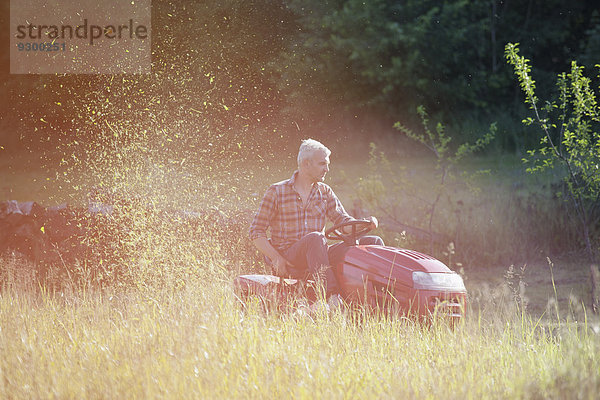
column 359, row 228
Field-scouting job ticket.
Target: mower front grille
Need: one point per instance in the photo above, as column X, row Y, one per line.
column 451, row 307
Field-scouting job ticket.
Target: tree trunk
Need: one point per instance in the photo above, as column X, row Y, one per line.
column 494, row 12
column 588, row 243
column 595, row 275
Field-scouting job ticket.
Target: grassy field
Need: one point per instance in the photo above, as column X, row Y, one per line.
column 529, row 332
column 199, row 342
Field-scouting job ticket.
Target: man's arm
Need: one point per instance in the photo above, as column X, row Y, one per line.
column 337, row 213
column 264, row 215
column 258, row 232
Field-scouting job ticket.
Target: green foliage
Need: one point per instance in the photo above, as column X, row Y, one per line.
column 570, row 136
column 379, row 57
column 591, row 46
column 391, row 54
column 438, row 143
column 393, row 194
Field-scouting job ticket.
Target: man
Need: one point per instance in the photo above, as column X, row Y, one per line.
column 296, row 210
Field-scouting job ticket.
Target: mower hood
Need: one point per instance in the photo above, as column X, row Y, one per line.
column 393, row 262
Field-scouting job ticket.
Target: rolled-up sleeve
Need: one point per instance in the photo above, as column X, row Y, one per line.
column 335, row 210
column 264, row 215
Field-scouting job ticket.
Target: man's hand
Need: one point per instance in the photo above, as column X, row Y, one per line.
column 280, row 265
column 347, row 230
column 374, row 222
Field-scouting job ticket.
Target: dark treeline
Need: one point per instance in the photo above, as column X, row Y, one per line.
column 387, row 57
column 236, row 72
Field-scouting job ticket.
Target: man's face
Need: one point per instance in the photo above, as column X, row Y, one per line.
column 317, row 166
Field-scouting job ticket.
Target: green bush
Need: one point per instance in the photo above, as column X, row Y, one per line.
column 569, row 138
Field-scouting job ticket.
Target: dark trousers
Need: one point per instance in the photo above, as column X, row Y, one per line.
column 312, row 258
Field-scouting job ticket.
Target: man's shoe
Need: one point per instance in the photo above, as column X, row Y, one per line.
column 317, row 307
column 334, row 301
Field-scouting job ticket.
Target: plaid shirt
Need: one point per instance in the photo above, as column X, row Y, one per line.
column 282, row 210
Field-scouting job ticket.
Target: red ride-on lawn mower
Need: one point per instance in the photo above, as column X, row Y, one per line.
column 383, row 277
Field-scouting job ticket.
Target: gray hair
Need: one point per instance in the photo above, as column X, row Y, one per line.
column 310, row 147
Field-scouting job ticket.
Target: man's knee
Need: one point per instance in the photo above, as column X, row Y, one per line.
column 316, row 239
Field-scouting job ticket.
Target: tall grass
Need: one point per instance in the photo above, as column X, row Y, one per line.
column 199, row 342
